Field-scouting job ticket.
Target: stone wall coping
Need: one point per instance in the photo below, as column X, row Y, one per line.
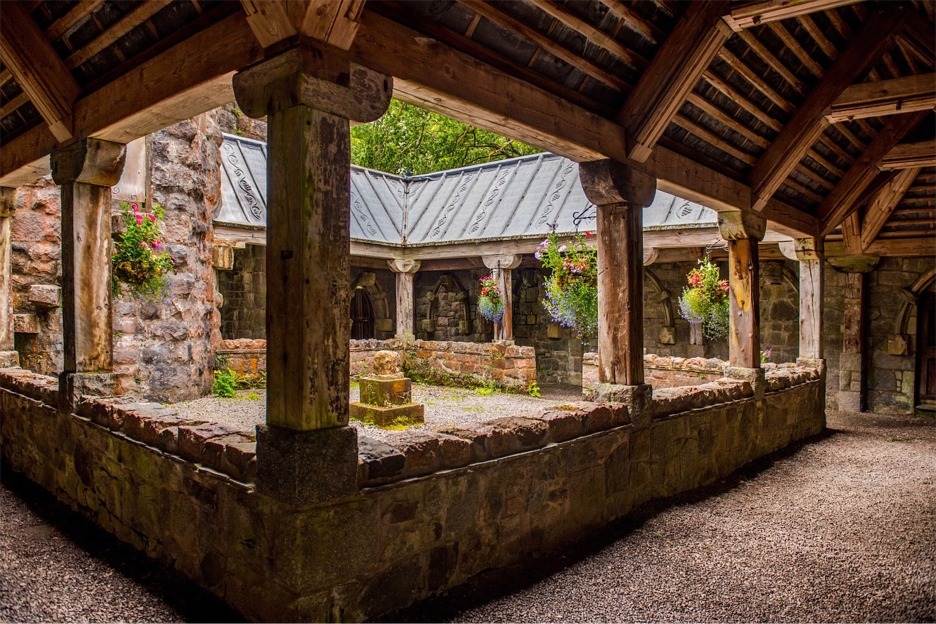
column 670, row 402
column 243, row 344
column 667, row 362
column 224, row 449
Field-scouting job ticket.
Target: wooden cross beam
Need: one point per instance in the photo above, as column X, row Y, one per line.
column 886, row 97
column 808, row 122
column 910, row 156
column 748, row 14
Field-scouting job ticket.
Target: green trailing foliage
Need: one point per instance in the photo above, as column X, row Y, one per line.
column 139, row 261
column 572, row 286
column 705, row 300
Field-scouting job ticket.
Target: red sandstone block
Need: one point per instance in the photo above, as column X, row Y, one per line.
column 240, row 460
column 214, row 450
column 509, row 435
column 564, row 424
column 192, row 439
column 421, row 453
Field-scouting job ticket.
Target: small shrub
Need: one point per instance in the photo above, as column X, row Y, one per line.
column 487, row 388
column 253, row 396
column 225, row 383
column 533, row 389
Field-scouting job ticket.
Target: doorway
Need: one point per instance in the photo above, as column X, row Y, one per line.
column 926, row 390
column 362, row 316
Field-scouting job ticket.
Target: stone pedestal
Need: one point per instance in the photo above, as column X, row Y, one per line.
column 387, row 400
column 306, row 467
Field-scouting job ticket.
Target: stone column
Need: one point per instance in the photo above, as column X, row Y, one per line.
column 620, row 194
column 405, row 272
column 743, row 231
column 502, row 266
column 852, row 394
column 86, row 170
column 309, row 94
column 8, row 356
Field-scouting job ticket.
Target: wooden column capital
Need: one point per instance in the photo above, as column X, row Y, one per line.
column 502, row 261
column 608, row 183
column 7, row 201
column 404, row 266
column 855, row 264
column 740, row 225
column 89, row 161
column 317, row 76
column 802, row 249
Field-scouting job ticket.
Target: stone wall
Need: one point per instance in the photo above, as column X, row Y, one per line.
column 462, row 363
column 662, row 371
column 244, row 356
column 432, row 510
column 243, row 289
column 890, row 380
column 446, row 306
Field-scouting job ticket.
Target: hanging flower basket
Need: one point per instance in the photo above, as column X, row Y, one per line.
column 572, row 286
column 705, row 300
column 491, row 302
column 139, row 261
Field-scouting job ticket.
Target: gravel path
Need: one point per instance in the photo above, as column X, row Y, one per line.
column 464, row 407
column 843, row 529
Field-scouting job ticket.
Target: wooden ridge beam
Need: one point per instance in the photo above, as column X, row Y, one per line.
column 671, row 76
column 910, row 156
column 844, row 198
column 808, row 122
column 749, row 14
column 886, row 97
column 914, row 247
column 882, row 205
column 38, row 70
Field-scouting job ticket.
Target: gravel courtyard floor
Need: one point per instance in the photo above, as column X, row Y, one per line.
column 842, row 529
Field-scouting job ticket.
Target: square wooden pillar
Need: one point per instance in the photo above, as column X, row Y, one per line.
column 309, row 94
column 8, row 356
column 86, row 170
column 743, row 231
column 808, row 253
column 620, row 194
column 853, row 360
column 405, row 271
column 502, row 266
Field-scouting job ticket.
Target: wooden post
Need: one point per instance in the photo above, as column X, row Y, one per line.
column 405, row 272
column 852, row 394
column 307, row 452
column 502, row 266
column 86, row 170
column 620, row 193
column 743, row 231
column 808, row 252
column 8, row 357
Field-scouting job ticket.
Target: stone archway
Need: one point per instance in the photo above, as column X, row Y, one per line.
column 447, row 282
column 383, row 323
column 898, row 341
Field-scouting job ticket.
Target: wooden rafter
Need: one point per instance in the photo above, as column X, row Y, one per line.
column 808, row 123
column 13, row 104
column 881, row 206
column 71, row 19
column 572, row 21
column 915, row 246
column 887, row 97
column 752, row 14
column 910, row 155
column 37, row 69
column 673, row 72
column 851, row 233
column 772, row 61
column 143, row 12
column 634, row 20
column 512, row 24
column 844, row 198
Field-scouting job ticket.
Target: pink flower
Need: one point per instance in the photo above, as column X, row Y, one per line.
column 152, row 217
column 589, row 235
column 135, row 207
column 139, row 218
column 723, row 285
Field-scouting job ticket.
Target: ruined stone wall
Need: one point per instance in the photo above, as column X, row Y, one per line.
column 37, row 264
column 432, row 510
column 891, row 376
column 243, row 289
column 661, row 371
column 440, row 302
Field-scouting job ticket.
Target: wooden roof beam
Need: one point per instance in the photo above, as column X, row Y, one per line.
column 882, row 205
column 910, row 155
column 334, row 22
column 71, row 19
column 808, row 122
column 749, row 14
column 143, row 12
column 29, row 56
column 920, row 246
column 887, row 97
column 844, row 198
column 673, row 72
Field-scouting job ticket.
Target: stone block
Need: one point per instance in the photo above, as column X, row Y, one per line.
column 25, row 324
column 379, row 462
column 386, row 392
column 407, row 414
column 306, row 467
column 45, row 296
column 9, row 359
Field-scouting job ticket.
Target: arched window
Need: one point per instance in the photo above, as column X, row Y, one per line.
column 362, row 316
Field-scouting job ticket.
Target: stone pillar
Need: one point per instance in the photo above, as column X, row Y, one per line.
column 743, row 231
column 309, row 94
column 620, row 194
column 405, row 272
column 502, row 266
column 8, row 357
column 86, row 170
column 852, row 394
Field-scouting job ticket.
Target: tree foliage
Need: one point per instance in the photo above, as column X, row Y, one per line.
column 411, row 140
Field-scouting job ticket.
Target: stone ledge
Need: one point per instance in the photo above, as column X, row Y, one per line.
column 672, row 401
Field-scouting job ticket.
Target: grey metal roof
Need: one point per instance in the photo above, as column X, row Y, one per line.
column 518, row 198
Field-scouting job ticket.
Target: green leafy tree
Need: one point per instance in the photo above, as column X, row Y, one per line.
column 412, row 140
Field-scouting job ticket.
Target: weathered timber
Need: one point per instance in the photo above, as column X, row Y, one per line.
column 270, row 20
column 764, row 11
column 86, row 170
column 851, row 233
column 887, row 97
column 808, row 122
column 334, row 22
column 29, row 56
column 673, row 72
column 914, row 247
column 808, row 252
column 881, row 206
column 620, row 193
column 405, row 271
column 7, row 207
column 502, row 266
column 140, row 14
column 743, row 231
column 910, row 155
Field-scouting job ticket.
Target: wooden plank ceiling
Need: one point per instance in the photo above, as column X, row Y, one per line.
column 818, row 114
